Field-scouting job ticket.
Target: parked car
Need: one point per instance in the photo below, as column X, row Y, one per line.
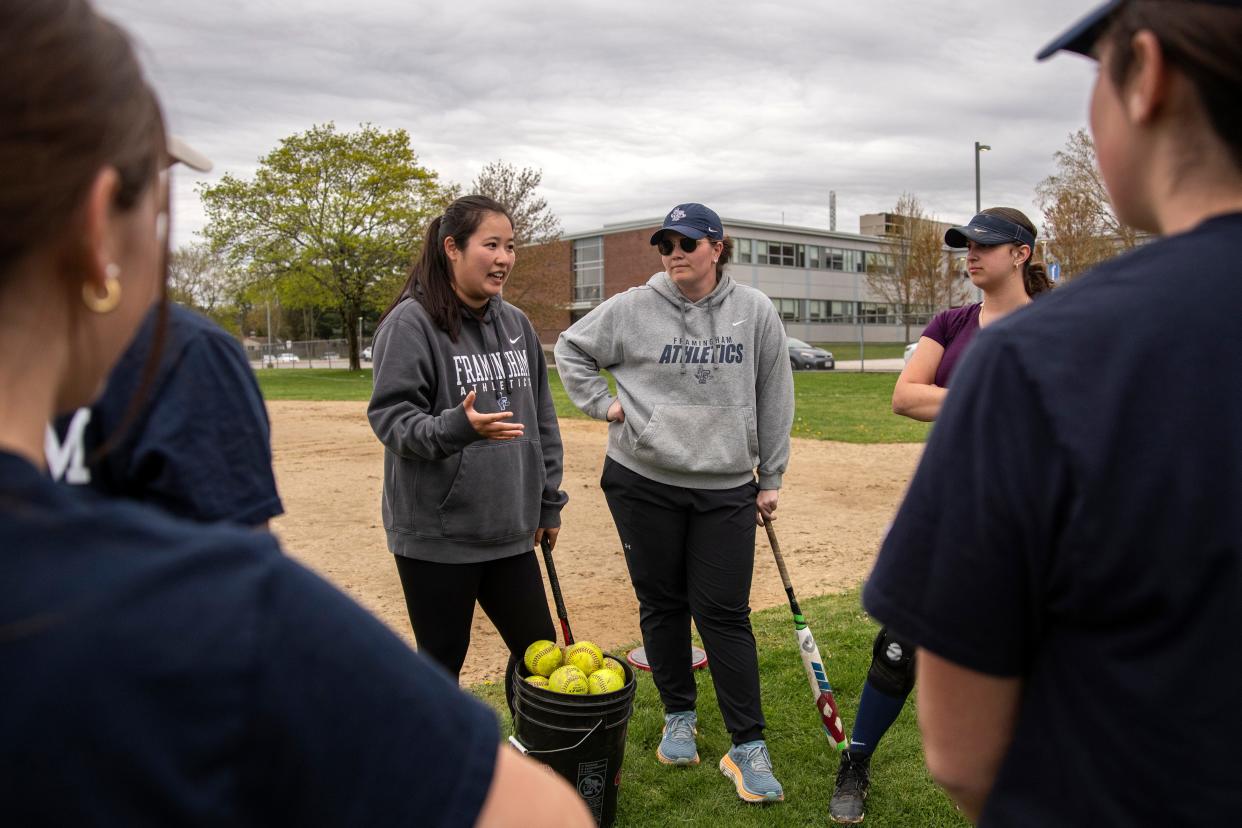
column 910, row 351
column 802, row 355
column 366, row 353
column 288, row 357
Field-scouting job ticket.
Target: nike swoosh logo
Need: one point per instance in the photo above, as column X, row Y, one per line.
column 515, row 341
column 738, row 322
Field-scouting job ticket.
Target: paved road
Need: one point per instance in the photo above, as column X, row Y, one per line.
column 893, row 365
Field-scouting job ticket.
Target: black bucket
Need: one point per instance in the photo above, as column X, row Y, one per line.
column 582, row 738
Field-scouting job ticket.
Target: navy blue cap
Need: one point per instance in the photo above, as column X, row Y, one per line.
column 1081, row 37
column 987, row 229
column 694, row 221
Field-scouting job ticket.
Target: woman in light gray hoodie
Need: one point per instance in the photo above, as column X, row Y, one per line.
column 472, row 451
column 704, row 400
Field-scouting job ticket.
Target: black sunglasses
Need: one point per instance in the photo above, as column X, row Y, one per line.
column 687, row 245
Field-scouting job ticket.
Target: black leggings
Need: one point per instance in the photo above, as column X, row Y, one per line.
column 440, row 599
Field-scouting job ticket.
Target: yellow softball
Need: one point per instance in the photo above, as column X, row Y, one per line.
column 542, row 658
column 603, row 681
column 612, row 664
column 537, row 680
column 568, row 679
column 586, row 656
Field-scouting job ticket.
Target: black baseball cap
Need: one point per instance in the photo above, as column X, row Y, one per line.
column 988, row 229
column 694, row 221
column 1081, row 37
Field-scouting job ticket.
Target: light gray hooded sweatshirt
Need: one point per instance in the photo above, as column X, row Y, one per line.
column 706, row 386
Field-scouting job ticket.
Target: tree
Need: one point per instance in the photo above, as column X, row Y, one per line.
column 911, row 273
column 199, row 278
column 330, row 218
column 1079, row 222
column 535, row 227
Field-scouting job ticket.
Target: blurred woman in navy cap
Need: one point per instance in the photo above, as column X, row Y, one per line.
column 1068, row 556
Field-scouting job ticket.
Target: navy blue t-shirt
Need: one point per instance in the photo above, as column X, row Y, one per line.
column 199, row 447
column 161, row 672
column 1076, row 522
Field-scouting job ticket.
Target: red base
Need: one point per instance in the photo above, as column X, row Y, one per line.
column 637, row 658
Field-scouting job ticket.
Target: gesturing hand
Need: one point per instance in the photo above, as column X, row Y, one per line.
column 491, row 426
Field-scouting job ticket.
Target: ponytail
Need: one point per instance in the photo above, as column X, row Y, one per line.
column 1035, row 277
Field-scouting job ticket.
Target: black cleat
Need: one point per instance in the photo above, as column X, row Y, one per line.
column 853, row 783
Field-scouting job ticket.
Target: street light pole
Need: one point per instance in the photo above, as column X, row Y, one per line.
column 979, row 198
column 978, row 193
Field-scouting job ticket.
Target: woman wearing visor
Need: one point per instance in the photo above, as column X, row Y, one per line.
column 704, row 400
column 1068, row 556
column 1000, row 243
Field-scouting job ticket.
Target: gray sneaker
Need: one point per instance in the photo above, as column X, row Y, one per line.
column 750, row 768
column 677, row 747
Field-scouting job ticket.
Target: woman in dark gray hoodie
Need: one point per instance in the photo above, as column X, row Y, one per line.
column 472, row 451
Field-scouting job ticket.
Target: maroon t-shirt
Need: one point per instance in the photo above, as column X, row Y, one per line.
column 953, row 329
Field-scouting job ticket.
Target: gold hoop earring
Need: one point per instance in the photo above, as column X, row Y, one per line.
column 111, row 296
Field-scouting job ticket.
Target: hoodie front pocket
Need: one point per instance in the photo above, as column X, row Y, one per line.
column 709, row 439
column 496, row 493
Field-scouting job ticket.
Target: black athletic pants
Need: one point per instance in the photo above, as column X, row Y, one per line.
column 691, row 553
column 440, row 599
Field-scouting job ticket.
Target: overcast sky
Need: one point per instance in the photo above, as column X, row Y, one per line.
column 756, row 109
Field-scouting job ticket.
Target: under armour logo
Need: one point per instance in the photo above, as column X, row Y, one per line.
column 894, row 651
column 503, row 402
column 677, row 215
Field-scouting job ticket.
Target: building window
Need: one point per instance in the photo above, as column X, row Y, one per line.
column 880, row 263
column 777, row 253
column 787, row 309
column 877, row 313
column 841, row 312
column 743, row 247
column 817, row 310
column 588, row 266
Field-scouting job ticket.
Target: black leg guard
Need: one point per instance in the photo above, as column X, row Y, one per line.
column 892, row 665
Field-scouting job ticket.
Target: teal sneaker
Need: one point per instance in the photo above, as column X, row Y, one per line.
column 750, row 768
column 677, row 747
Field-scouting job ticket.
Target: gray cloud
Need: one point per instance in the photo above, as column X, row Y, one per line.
column 759, row 109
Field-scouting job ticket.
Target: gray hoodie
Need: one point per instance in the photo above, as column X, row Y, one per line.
column 449, row 495
column 706, row 386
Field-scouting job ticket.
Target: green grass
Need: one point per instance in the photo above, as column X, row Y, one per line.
column 652, row 794
column 849, row 407
column 874, row 350
column 314, row 384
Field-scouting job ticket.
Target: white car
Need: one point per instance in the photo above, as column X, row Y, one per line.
column 910, row 351
column 288, row 357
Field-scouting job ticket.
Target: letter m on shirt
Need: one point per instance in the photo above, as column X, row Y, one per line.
column 67, row 460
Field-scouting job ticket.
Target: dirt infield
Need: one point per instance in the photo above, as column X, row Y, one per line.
column 836, row 501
